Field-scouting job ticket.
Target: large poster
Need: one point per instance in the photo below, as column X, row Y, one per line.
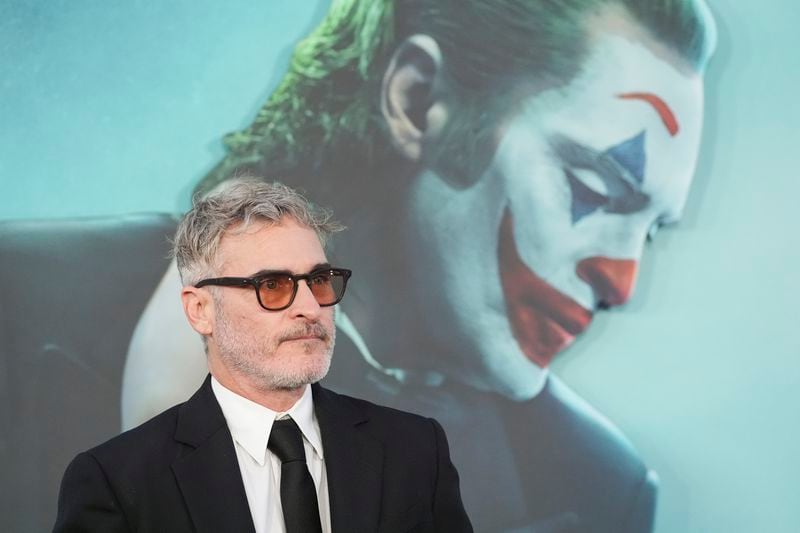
column 503, row 169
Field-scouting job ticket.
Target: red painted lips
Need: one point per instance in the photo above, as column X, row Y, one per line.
column 544, row 320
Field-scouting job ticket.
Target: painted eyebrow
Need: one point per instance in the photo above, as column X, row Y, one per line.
column 268, row 272
column 661, row 107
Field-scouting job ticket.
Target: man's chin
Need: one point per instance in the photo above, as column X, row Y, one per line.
column 292, row 369
column 293, row 381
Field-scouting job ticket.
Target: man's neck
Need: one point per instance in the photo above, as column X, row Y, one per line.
column 279, row 400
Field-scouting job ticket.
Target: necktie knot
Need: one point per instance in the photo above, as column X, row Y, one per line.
column 286, row 441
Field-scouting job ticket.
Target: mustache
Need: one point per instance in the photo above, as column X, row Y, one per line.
column 307, row 330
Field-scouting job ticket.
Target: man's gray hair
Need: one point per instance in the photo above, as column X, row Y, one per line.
column 239, row 202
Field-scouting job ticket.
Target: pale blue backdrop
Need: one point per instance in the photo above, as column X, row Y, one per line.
column 701, row 370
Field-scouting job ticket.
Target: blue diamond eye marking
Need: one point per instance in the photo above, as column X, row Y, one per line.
column 630, row 156
column 585, row 201
column 621, row 168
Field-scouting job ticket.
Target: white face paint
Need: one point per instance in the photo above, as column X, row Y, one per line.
column 510, row 269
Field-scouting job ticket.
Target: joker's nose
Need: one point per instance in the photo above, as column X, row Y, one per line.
column 612, row 280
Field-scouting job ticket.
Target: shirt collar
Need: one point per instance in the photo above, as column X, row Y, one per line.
column 250, row 423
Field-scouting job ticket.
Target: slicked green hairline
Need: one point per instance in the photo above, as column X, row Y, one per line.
column 324, row 117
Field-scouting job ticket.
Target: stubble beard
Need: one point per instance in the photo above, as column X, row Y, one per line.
column 255, row 357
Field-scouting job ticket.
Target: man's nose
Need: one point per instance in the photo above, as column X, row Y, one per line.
column 612, row 280
column 305, row 303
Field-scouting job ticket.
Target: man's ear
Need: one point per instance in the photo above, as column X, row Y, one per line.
column 412, row 101
column 199, row 309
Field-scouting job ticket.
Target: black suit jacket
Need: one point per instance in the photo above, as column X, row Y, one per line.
column 388, row 471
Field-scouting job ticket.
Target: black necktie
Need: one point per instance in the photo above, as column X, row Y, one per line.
column 298, row 494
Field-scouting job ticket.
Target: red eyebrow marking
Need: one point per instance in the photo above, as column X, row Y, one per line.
column 666, row 114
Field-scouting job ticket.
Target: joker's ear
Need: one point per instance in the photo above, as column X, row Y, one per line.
column 412, row 101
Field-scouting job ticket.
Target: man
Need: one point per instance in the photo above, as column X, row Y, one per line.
column 502, row 190
column 260, row 446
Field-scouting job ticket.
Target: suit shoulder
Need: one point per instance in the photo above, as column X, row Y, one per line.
column 568, row 416
column 562, row 425
column 590, row 463
column 150, row 436
column 379, row 414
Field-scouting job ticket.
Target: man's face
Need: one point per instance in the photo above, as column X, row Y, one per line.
column 271, row 349
column 514, row 266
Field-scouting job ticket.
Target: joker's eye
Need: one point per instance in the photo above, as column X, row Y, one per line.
column 591, row 180
column 610, row 180
column 588, row 192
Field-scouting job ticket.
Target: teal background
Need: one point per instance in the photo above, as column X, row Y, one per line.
column 111, row 107
column 108, row 109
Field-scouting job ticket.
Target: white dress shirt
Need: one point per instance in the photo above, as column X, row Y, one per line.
column 250, row 425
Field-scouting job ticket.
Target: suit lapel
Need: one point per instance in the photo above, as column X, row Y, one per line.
column 209, row 476
column 353, row 462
